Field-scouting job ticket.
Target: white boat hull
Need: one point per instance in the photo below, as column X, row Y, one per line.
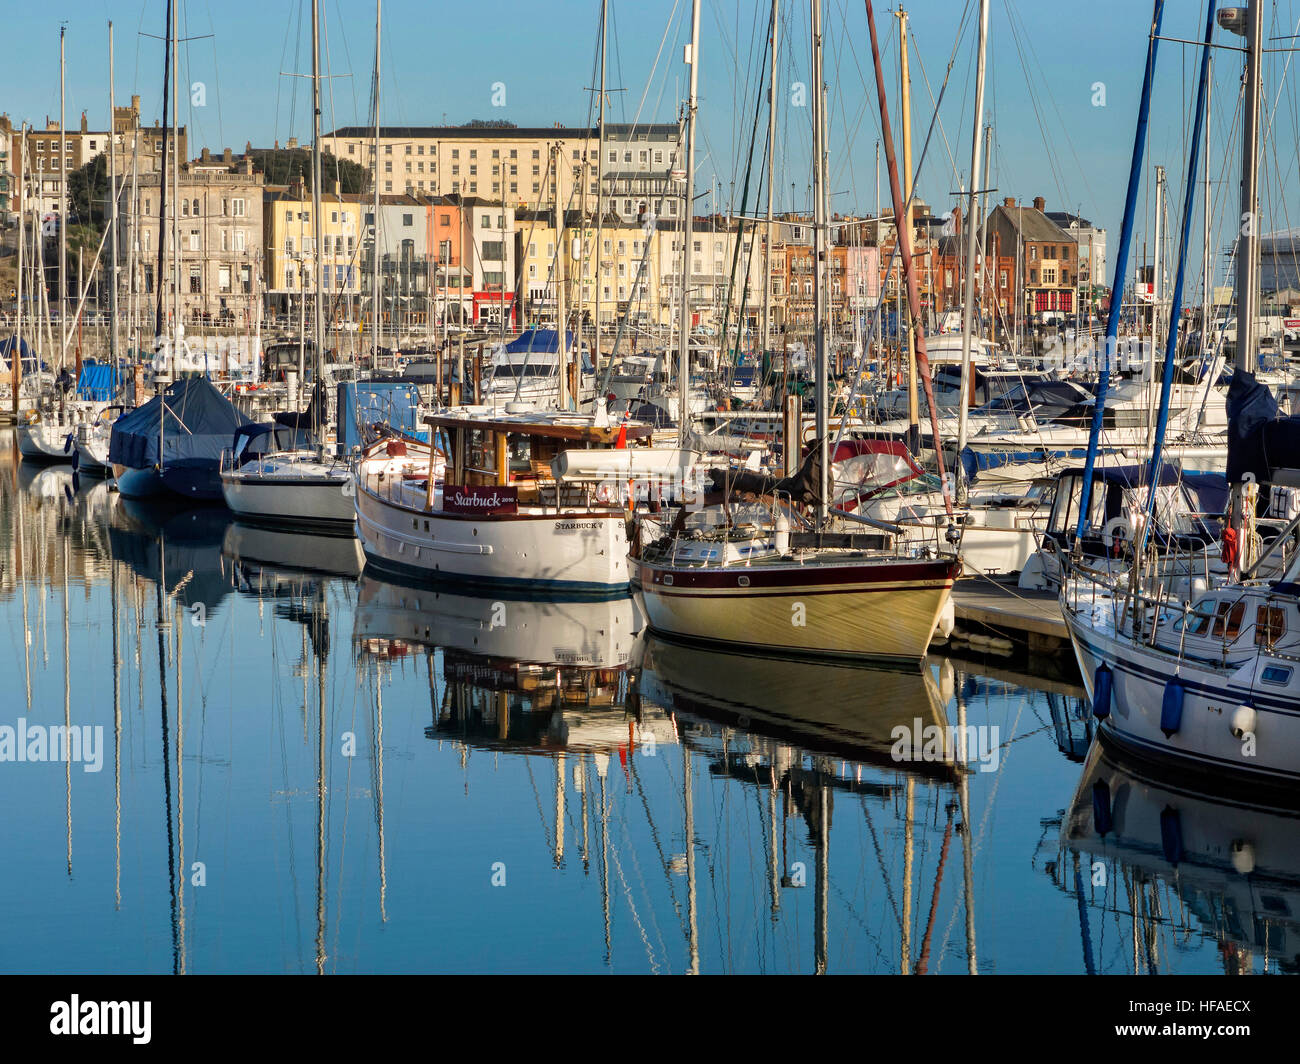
column 578, row 552
column 315, row 501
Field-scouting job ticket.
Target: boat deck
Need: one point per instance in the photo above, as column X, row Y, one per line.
column 1032, row 617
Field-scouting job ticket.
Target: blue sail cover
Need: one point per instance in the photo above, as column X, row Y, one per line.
column 198, row 424
column 98, row 383
column 546, row 341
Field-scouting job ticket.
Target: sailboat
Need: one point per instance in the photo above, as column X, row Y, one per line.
column 1208, row 682
column 302, row 485
column 778, row 576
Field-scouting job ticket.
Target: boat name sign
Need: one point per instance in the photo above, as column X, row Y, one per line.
column 500, row 499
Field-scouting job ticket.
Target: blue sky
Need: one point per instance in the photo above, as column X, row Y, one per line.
column 441, row 62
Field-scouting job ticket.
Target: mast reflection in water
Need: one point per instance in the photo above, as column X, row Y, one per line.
column 309, row 769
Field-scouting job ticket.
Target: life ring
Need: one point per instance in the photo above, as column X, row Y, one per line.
column 605, row 492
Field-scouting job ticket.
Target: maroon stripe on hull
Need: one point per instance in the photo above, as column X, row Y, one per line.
column 760, row 578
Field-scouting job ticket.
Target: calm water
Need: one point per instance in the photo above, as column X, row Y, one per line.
column 305, row 769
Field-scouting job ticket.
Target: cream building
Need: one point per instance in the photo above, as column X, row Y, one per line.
column 295, row 267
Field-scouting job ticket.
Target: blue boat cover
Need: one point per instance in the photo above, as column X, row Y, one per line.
column 544, row 340
column 98, row 382
column 198, row 424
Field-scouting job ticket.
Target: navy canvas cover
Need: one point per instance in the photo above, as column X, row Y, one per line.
column 197, row 426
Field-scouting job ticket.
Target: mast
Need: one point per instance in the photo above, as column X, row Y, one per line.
column 176, row 197
column 1121, row 267
column 820, row 265
column 374, row 278
column 972, row 236
column 905, row 250
column 162, row 181
column 318, row 330
column 688, row 230
column 1176, row 306
column 903, row 218
column 771, row 163
column 600, row 185
column 1207, row 293
column 562, row 281
column 1248, row 248
column 63, row 213
column 16, row 353
column 112, row 206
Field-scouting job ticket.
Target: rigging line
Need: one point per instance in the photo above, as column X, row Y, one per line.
column 216, row 78
column 1038, row 115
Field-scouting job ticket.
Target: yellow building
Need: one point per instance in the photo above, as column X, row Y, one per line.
column 611, row 275
column 293, row 265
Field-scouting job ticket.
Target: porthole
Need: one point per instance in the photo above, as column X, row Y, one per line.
column 743, row 581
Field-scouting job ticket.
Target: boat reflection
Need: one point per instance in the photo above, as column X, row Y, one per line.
column 1167, row 866
column 529, row 675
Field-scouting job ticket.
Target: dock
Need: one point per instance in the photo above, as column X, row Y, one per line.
column 985, row 607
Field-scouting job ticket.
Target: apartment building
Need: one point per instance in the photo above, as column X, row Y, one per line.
column 220, row 222
column 294, row 267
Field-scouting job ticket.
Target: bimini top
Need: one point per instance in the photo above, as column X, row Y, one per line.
column 198, row 423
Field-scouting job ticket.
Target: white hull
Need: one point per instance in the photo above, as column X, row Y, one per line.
column 537, row 547
column 1213, row 693
column 324, row 500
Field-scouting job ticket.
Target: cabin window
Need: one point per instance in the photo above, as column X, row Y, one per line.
column 1198, row 622
column 1227, row 620
column 1270, row 625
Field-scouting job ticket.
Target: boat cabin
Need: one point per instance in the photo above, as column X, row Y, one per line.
column 516, row 452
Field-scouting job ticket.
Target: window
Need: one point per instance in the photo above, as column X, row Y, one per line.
column 194, row 240
column 494, row 251
column 408, row 220
column 388, row 149
column 1227, row 620
column 1270, row 625
column 288, row 245
column 388, row 166
column 455, row 153
column 196, row 280
column 223, row 279
column 485, row 222
column 239, row 240
column 288, row 216
column 196, row 208
column 444, row 219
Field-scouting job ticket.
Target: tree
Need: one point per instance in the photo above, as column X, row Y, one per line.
column 88, row 195
column 282, row 165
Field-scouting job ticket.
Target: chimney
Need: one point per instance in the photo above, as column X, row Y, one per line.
column 293, row 142
column 205, row 156
column 135, row 108
column 1010, row 201
column 336, row 187
column 227, row 157
column 1040, row 204
column 84, row 127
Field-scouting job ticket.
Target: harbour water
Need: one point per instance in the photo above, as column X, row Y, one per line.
column 287, row 765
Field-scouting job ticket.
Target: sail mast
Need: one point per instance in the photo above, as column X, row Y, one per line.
column 771, row 180
column 600, row 185
column 1121, row 267
column 904, row 237
column 318, row 332
column 821, row 302
column 63, row 213
column 1248, row 248
column 374, row 229
column 972, row 234
column 688, row 231
column 1176, row 306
